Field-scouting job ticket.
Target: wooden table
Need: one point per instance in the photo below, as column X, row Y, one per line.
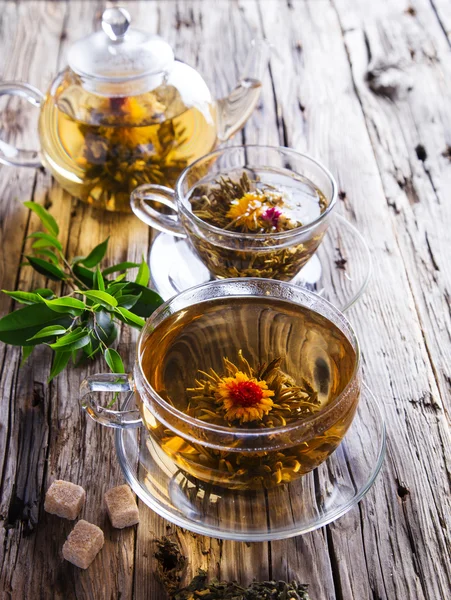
column 362, row 85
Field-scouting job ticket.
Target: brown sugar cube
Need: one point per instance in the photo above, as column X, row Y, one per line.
column 64, row 499
column 83, row 544
column 121, row 507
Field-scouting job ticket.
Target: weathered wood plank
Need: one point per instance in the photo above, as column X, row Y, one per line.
column 332, row 127
column 72, row 446
column 442, row 10
column 24, row 403
column 409, row 137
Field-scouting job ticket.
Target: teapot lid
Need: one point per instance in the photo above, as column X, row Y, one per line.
column 118, row 53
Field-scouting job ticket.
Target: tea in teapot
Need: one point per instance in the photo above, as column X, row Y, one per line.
column 122, row 142
column 125, row 112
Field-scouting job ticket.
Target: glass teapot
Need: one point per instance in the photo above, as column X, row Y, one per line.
column 125, row 112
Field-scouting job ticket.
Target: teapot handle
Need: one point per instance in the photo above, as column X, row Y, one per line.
column 157, row 193
column 10, row 155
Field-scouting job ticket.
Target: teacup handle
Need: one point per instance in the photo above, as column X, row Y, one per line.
column 109, row 382
column 151, row 216
column 10, row 155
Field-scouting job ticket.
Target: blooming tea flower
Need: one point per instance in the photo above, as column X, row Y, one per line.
column 272, row 215
column 245, row 210
column 244, row 398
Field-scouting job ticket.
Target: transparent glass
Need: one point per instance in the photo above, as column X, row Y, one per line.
column 306, row 504
column 295, row 449
column 339, row 271
column 225, row 253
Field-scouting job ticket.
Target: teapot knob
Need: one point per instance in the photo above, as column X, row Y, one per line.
column 115, row 22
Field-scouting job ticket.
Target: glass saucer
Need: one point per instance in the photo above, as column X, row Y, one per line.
column 301, row 506
column 339, row 271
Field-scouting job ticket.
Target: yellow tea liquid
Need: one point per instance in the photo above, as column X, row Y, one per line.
column 261, row 202
column 316, row 358
column 100, row 149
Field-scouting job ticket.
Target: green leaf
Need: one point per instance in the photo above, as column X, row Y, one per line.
column 49, row 331
column 84, row 275
column 128, row 300
column 44, row 240
column 19, row 326
column 120, row 278
column 104, row 328
column 47, row 220
column 143, row 274
column 25, row 297
column 114, row 361
column 26, row 351
column 59, row 363
column 44, row 292
column 129, row 318
column 119, row 267
column 148, row 301
column 74, row 356
column 95, row 256
column 115, row 288
column 100, row 284
column 67, row 305
column 72, row 341
column 89, row 352
column 102, row 298
column 45, row 268
column 48, row 253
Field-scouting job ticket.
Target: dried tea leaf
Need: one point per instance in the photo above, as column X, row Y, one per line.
column 171, row 566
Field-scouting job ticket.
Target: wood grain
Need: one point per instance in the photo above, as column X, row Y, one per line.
column 362, row 86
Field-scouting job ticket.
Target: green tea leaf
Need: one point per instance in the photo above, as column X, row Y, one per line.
column 84, row 275
column 119, row 267
column 19, row 326
column 67, row 305
column 74, row 354
column 49, row 331
column 45, row 268
column 115, row 289
column 72, row 341
column 101, row 297
column 143, row 274
column 59, row 363
column 26, row 351
column 25, row 297
column 114, row 361
column 44, row 240
column 89, row 352
column 95, row 256
column 128, row 300
column 148, row 301
column 104, row 328
column 129, row 318
column 44, row 292
column 48, row 253
column 47, row 220
column 100, row 284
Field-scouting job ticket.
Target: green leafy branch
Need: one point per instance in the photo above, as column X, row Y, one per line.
column 83, row 323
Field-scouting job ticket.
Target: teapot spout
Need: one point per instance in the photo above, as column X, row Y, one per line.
column 233, row 111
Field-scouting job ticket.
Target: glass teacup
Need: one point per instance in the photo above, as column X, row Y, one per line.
column 255, row 237
column 242, row 383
